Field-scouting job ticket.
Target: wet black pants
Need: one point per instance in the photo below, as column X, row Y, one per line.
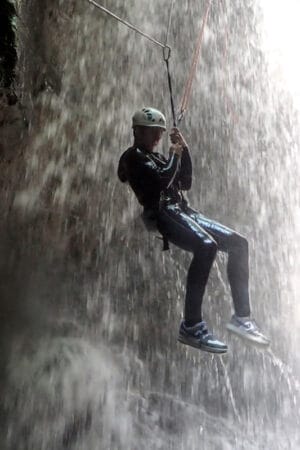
column 191, row 231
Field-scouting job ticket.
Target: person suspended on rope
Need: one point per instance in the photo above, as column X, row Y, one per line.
column 158, row 183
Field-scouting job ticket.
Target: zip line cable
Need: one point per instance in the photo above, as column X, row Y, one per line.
column 165, row 47
column 167, row 54
column 129, row 25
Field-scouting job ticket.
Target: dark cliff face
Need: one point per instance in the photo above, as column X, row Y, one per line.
column 8, row 53
column 75, row 260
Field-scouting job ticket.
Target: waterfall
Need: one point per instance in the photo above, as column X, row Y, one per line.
column 89, row 307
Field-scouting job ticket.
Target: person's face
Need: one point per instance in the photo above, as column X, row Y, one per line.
column 148, row 137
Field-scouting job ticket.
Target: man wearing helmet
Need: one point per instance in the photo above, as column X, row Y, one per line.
column 158, row 183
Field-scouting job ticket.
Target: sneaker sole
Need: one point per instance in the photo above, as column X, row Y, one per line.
column 247, row 337
column 201, row 346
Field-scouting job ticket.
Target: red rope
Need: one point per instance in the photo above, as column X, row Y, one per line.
column 196, row 57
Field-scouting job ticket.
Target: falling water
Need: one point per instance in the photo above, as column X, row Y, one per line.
column 90, row 310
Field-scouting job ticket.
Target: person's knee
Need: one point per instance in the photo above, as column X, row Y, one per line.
column 206, row 248
column 244, row 244
column 240, row 244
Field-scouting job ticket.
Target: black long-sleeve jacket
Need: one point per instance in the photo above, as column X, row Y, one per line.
column 150, row 174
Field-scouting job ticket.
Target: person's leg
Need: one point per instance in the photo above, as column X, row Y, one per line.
column 184, row 232
column 238, row 275
column 236, row 246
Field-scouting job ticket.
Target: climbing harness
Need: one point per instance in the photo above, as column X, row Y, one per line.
column 167, row 54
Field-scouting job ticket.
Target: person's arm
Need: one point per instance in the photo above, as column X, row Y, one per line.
column 122, row 172
column 143, row 169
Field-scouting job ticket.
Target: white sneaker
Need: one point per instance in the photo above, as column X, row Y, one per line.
column 198, row 336
column 247, row 329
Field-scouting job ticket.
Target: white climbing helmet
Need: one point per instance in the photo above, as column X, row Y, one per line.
column 149, row 117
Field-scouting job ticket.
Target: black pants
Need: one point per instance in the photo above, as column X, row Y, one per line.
column 193, row 232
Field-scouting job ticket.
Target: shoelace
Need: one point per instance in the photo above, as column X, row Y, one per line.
column 203, row 330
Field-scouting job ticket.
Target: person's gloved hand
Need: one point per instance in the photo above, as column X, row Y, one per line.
column 177, row 138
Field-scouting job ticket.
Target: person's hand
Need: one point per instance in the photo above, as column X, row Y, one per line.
column 177, row 138
column 177, row 149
